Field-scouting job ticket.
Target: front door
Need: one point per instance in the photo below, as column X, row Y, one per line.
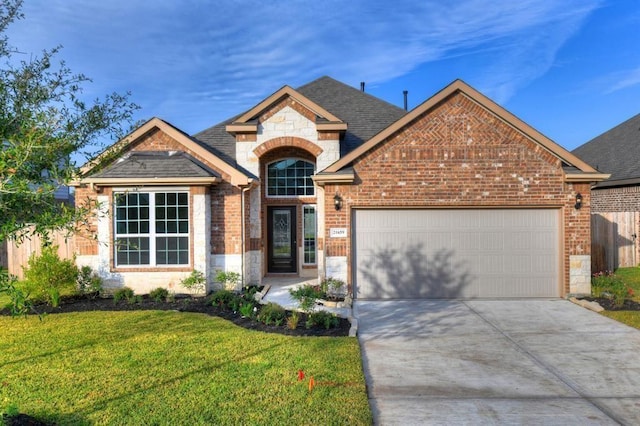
column 281, row 229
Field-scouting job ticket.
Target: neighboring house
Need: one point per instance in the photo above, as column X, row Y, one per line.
column 615, row 202
column 456, row 198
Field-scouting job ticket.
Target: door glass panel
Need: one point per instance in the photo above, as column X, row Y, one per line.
column 282, row 233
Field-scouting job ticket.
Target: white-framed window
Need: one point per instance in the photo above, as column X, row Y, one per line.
column 151, row 228
column 309, row 228
column 290, row 177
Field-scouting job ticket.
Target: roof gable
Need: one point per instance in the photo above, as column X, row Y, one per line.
column 277, row 97
column 364, row 114
column 585, row 171
column 615, row 151
column 112, row 153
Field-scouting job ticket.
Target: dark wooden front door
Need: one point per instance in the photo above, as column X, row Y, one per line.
column 281, row 229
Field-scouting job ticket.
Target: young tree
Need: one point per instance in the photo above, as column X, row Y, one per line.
column 43, row 120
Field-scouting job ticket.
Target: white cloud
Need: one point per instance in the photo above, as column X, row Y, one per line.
column 621, row 80
column 204, row 61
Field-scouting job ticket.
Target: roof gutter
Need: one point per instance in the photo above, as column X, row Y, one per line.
column 586, row 177
column 170, row 181
column 325, row 178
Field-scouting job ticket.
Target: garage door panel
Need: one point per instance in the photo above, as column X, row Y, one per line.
column 456, row 253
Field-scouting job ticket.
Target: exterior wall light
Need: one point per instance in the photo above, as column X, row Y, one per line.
column 578, row 204
column 337, row 201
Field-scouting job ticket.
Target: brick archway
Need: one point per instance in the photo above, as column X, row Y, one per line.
column 287, row 142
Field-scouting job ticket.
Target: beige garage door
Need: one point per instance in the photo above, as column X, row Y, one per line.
column 456, row 253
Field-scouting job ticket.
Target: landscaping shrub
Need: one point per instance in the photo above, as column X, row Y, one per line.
column 229, row 280
column 89, row 283
column 272, row 313
column 19, row 303
column 195, row 282
column 47, row 277
column 159, row 294
column 324, row 318
column 223, row 298
column 293, row 320
column 332, row 286
column 609, row 285
column 248, row 310
column 306, row 296
column 124, row 293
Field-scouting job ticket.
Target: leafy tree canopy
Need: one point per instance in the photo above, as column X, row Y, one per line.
column 43, row 121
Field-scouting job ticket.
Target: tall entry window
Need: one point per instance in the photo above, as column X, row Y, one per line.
column 151, row 228
column 290, row 178
column 309, row 229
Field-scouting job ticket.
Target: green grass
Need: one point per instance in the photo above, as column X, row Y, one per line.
column 4, row 300
column 631, row 277
column 631, row 318
column 152, row 367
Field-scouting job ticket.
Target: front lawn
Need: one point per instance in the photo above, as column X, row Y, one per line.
column 162, row 367
column 631, row 277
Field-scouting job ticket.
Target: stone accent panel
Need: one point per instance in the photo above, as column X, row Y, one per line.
column 580, row 275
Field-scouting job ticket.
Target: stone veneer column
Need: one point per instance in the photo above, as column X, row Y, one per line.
column 580, row 274
column 202, row 235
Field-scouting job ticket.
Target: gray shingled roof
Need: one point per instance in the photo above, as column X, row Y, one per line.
column 142, row 164
column 364, row 114
column 617, row 151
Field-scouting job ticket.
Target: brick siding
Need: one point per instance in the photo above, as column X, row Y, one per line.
column 622, row 199
column 459, row 155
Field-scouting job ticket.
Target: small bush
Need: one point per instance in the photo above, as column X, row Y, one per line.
column 159, row 294
column 332, row 286
column 229, row 280
column 89, row 283
column 222, row 298
column 609, row 285
column 124, row 293
column 19, row 303
column 195, row 282
column 293, row 320
column 248, row 310
column 271, row 313
column 47, row 276
column 306, row 296
column 322, row 318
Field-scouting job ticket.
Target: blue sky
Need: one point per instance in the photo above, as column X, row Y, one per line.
column 569, row 68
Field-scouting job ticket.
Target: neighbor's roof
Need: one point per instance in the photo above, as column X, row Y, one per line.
column 364, row 114
column 616, row 151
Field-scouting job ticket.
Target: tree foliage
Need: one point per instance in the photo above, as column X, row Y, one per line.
column 44, row 119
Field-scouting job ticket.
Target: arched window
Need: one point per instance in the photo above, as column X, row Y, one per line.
column 290, row 178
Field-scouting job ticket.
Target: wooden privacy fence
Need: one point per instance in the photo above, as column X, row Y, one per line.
column 614, row 240
column 13, row 256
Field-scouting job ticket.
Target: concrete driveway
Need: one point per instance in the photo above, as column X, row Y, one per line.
column 498, row 362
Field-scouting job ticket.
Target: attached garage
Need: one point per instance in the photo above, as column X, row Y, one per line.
column 456, row 253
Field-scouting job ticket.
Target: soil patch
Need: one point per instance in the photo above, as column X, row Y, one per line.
column 189, row 304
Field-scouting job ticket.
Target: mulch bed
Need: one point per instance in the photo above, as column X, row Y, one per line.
column 188, row 304
column 608, row 305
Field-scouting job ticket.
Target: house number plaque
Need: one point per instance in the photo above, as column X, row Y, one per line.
column 337, row 232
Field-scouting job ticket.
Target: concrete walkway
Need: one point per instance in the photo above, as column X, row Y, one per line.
column 279, row 293
column 536, row 362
